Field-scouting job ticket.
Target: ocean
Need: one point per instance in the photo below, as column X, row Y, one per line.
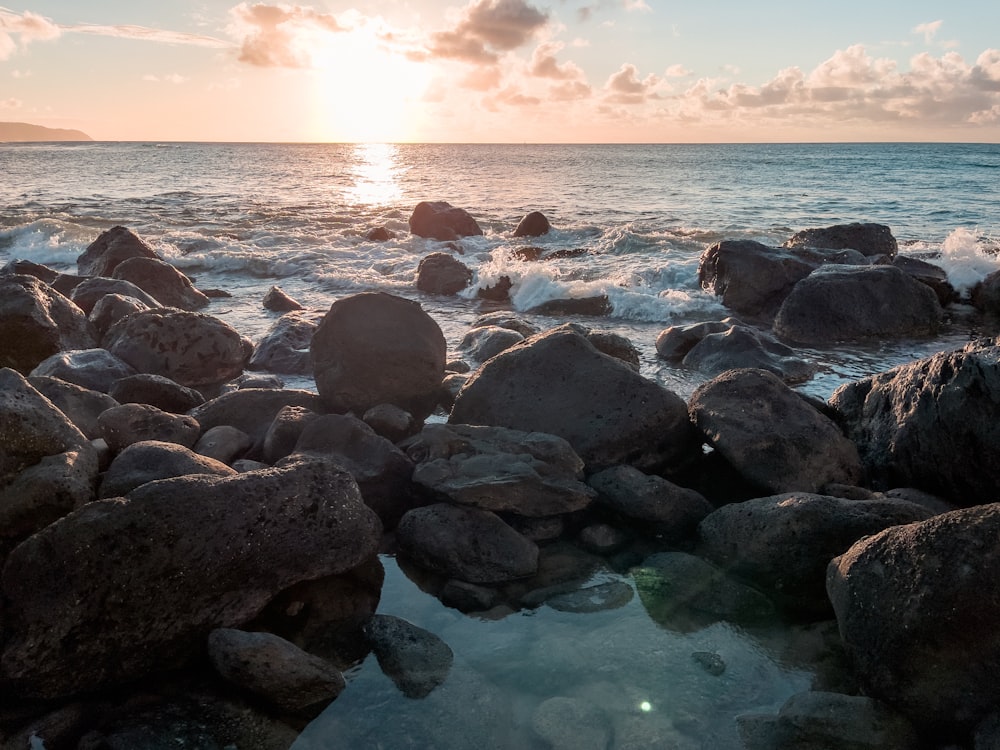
column 244, row 217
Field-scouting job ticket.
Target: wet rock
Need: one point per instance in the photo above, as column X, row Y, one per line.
column 21, row 267
column 284, row 431
column 190, row 348
column 36, row 322
column 615, row 345
column 442, row 273
column 416, row 660
column 162, row 281
column 770, row 435
column 284, row 347
column 391, row 422
column 132, row 423
column 82, row 405
column 160, row 569
column 503, row 319
column 223, row 443
column 930, row 274
column 90, row 291
column 485, row 342
column 497, row 469
column 850, row 303
column 440, row 220
column 375, row 348
column 597, row 598
column 156, row 390
column 534, row 224
column 572, row 724
column 784, row 543
column 110, row 248
column 468, row 597
column 742, row 347
column 710, row 661
column 111, row 308
column 597, row 306
column 254, row 380
column 469, row 544
column 450, row 388
column 149, row 460
column 660, row 507
column 456, row 366
column 498, row 292
column 276, row 300
column 538, row 529
column 274, row 669
column 919, row 614
column 602, row 538
column 379, row 234
column 985, row 295
column 871, row 240
column 673, row 343
column 558, row 383
column 94, row 369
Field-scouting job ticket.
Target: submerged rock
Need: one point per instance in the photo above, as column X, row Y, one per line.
column 534, row 224
column 572, row 724
column 440, row 220
column 416, row 660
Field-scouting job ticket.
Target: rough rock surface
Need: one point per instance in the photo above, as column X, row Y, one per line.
column 110, row 248
column 868, row 239
column 376, row 348
column 276, row 300
column 224, row 443
column 442, row 273
column 82, row 405
column 95, row 369
column 156, row 572
column 772, row 436
column 124, row 425
column 156, row 390
column 741, row 347
column 919, row 613
column 162, row 281
column 930, row 274
column 149, row 460
column 416, row 660
column 440, row 220
column 930, row 424
column 252, row 410
column 284, row 347
column 558, row 383
column 90, row 291
column 673, row 343
column 484, row 342
column 111, row 308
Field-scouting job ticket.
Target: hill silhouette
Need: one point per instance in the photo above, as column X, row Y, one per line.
column 22, row 132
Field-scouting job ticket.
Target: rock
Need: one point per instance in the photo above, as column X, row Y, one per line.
column 223, row 443
column 985, row 295
column 90, row 291
column 190, row 348
column 784, row 543
column 132, row 423
column 482, row 343
column 254, row 409
column 919, row 614
column 379, row 234
column 277, row 301
column 416, row 660
column 829, row 721
column 850, row 303
column 599, row 538
column 597, row 306
column 572, row 724
column 710, row 661
column 94, row 369
column 21, row 267
column 111, row 308
column 498, row 292
column 660, row 507
column 375, row 348
column 149, row 460
column 391, row 422
column 36, row 322
column 383, row 472
column 673, row 343
column 497, row 469
column 162, row 281
column 469, row 544
column 598, row 598
column 65, row 283
column 930, row 424
column 468, row 597
column 558, row 383
column 274, row 669
column 47, row 466
column 927, row 273
column 534, row 224
column 870, row 240
column 615, row 345
column 250, row 380
column 505, row 319
column 742, row 347
column 284, row 347
column 770, row 435
column 686, row 593
column 82, row 405
column 161, row 569
column 441, row 221
column 156, row 390
column 284, row 431
column 110, row 248
column 441, row 273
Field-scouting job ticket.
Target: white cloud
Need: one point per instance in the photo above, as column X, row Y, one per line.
column 10, row 103
column 20, row 30
column 928, row 30
column 625, row 86
column 281, row 36
column 676, row 71
column 545, row 65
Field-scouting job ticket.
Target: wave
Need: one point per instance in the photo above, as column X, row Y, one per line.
column 50, row 242
column 968, row 257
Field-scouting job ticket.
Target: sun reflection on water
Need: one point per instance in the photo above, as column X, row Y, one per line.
column 376, row 174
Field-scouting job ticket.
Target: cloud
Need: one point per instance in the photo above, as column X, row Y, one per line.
column 928, row 30
column 545, row 65
column 24, row 29
column 486, row 28
column 279, row 36
column 570, row 91
column 625, row 86
column 174, row 78
column 676, row 71
column 587, row 12
column 10, row 103
column 147, row 34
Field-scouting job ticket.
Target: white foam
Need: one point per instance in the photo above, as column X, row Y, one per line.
column 968, row 258
column 46, row 241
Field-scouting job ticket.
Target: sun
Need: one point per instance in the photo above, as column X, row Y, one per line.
column 366, row 92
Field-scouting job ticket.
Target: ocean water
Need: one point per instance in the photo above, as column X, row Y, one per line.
column 243, row 217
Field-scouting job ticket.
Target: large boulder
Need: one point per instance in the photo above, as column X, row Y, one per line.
column 930, row 274
column 772, row 436
column 161, row 280
column 534, row 224
column 111, row 308
column 110, row 248
column 919, row 614
column 869, row 239
column 90, row 291
column 784, row 543
column 96, row 369
column 930, row 424
column 284, row 347
column 440, row 220
column 82, row 405
column 742, row 346
column 497, row 469
column 123, row 425
column 441, row 273
column 487, row 341
column 416, row 660
column 149, row 460
column 559, row 383
column 985, row 295
column 850, row 303
column 252, row 410
column 190, row 348
column 375, row 348
column 155, row 390
column 36, row 322
column 124, row 586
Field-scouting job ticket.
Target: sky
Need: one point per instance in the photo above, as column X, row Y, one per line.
column 505, row 71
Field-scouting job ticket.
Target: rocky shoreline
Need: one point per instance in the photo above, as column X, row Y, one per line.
column 185, row 543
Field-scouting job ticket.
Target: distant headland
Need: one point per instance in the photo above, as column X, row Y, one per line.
column 22, row 131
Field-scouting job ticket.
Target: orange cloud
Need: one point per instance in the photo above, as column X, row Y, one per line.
column 545, row 65
column 625, row 86
column 279, row 35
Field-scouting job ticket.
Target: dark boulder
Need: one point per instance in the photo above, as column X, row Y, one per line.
column 149, row 460
column 487, row 341
column 615, row 345
column 505, row 319
column 919, row 613
column 376, row 348
column 36, row 322
column 90, row 291
column 440, row 220
column 253, row 410
column 110, row 248
column 82, row 405
column 223, row 443
column 111, row 308
column 156, row 390
column 96, row 369
column 745, row 347
column 870, row 240
column 559, row 383
column 497, row 292
column 596, row 306
column 284, row 347
column 124, row 425
column 930, row 274
column 379, row 234
column 930, row 424
column 162, row 281
column 20, row 267
column 416, row 660
column 985, row 295
column 850, row 303
column 673, row 343
column 772, row 436
column 391, row 422
column 441, row 273
column 276, row 300
column 534, row 224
